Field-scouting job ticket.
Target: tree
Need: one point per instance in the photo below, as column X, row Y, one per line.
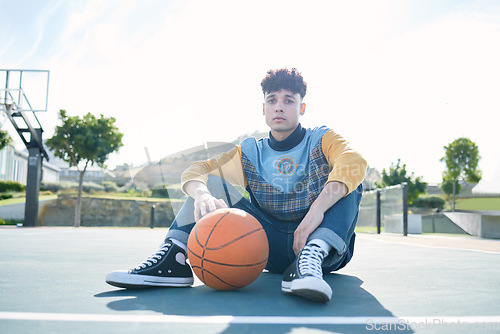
column 448, row 184
column 84, row 141
column 5, row 139
column 397, row 174
column 462, row 160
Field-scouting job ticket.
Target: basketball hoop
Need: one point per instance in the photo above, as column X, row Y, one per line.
column 15, row 106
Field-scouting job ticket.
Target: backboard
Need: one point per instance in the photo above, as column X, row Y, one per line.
column 25, row 90
column 23, row 93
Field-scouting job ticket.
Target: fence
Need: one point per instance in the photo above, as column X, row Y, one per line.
column 385, row 208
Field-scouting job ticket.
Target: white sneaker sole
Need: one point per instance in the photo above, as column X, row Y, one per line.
column 311, row 288
column 123, row 279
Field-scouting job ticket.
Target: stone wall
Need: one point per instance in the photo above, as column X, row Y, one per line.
column 107, row 212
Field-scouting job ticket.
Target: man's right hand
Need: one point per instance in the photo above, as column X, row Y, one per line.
column 204, row 202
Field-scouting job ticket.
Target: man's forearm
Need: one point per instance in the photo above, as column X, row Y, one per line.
column 204, row 202
column 195, row 189
column 331, row 194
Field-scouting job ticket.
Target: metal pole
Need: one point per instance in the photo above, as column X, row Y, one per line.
column 6, row 86
column 405, row 208
column 152, row 225
column 379, row 212
column 47, row 92
column 20, row 89
column 33, row 185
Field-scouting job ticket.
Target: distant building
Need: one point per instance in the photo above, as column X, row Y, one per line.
column 124, row 174
column 92, row 174
column 14, row 167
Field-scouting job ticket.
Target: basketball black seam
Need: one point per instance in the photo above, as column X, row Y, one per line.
column 206, row 242
column 237, row 239
column 217, row 277
column 224, row 264
column 205, row 248
column 237, row 265
column 220, row 279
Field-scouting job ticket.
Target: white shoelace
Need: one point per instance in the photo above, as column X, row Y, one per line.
column 155, row 257
column 310, row 261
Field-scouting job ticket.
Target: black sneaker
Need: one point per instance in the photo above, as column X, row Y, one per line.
column 167, row 267
column 304, row 276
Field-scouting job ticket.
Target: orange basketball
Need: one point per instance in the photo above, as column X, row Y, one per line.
column 228, row 249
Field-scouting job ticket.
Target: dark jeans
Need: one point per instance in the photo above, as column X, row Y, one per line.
column 337, row 228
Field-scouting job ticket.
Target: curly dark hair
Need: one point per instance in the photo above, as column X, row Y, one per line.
column 291, row 80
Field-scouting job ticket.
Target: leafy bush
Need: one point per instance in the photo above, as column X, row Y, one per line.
column 89, row 187
column 58, row 186
column 432, row 202
column 5, row 196
column 132, row 192
column 66, row 185
column 110, row 186
column 11, row 222
column 398, row 174
column 6, row 186
column 160, row 193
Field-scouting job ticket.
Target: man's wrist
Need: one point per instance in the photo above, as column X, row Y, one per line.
column 199, row 192
column 196, row 189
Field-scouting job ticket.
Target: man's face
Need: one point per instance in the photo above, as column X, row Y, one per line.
column 282, row 111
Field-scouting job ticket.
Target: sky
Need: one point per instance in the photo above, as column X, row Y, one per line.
column 399, row 79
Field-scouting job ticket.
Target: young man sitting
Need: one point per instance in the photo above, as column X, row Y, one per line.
column 305, row 189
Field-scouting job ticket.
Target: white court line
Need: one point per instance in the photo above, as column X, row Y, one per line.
column 432, row 246
column 267, row 320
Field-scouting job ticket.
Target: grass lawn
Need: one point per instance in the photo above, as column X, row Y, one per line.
column 20, row 198
column 366, row 229
column 480, row 204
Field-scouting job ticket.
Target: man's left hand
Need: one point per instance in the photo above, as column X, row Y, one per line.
column 331, row 193
column 310, row 223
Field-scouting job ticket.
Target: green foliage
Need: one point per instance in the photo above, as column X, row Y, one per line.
column 56, row 187
column 5, row 139
column 397, row 174
column 11, row 222
column 447, row 187
column 88, row 187
column 462, row 160
column 160, row 193
column 85, row 140
column 432, row 202
column 133, row 192
column 6, row 186
column 5, row 196
column 110, row 186
column 92, row 187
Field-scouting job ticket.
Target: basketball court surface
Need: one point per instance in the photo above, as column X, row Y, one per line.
column 52, row 281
